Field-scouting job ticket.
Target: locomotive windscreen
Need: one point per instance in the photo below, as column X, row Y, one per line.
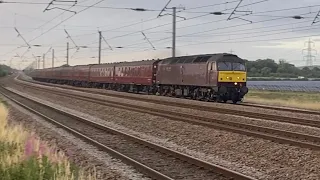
column 231, row 66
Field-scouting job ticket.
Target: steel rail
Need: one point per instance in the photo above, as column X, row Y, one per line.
column 287, row 109
column 152, row 173
column 278, row 135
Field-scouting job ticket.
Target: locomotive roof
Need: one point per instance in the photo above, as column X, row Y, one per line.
column 203, row 58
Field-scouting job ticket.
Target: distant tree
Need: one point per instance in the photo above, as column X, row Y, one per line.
column 306, row 70
column 261, row 63
column 254, row 70
column 315, row 72
column 266, row 71
column 269, row 68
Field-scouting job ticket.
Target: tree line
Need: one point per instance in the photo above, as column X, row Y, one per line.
column 283, row 69
column 5, row 70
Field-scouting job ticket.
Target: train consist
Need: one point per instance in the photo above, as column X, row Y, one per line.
column 212, row 77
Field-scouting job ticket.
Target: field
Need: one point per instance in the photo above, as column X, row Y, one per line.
column 24, row 156
column 305, row 100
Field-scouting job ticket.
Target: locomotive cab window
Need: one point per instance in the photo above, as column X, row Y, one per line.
column 224, row 66
column 231, row 66
column 238, row 66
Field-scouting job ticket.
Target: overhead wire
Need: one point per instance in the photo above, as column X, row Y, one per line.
column 66, row 20
column 57, row 24
column 268, row 11
column 131, row 24
column 247, row 31
column 249, row 41
column 182, row 27
column 211, row 5
column 233, row 26
column 77, row 5
column 220, row 20
column 183, row 20
column 276, row 33
column 170, row 23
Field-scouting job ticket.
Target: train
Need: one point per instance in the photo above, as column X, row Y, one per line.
column 210, row 77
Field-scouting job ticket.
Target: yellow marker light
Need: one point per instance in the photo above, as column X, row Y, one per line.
column 235, row 83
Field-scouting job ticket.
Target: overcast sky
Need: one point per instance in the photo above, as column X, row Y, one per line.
column 272, row 34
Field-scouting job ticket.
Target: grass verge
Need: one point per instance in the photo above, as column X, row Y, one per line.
column 302, row 100
column 23, row 156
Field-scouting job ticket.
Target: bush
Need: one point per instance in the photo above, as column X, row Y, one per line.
column 23, row 156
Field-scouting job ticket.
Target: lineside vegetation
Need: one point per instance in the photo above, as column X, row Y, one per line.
column 305, row 100
column 23, row 156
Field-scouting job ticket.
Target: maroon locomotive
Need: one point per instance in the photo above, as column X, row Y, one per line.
column 217, row 77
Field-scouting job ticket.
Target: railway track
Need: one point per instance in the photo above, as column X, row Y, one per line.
column 207, row 108
column 273, row 134
column 155, row 161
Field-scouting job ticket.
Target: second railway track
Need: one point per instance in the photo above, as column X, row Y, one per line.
column 154, row 160
column 278, row 135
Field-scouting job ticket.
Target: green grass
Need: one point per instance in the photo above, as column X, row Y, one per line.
column 290, row 99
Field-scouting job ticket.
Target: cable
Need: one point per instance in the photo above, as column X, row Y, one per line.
column 277, row 10
column 66, row 20
column 219, row 29
column 152, row 27
column 200, row 32
column 85, row 6
column 210, row 13
column 134, row 23
column 37, row 29
column 151, row 19
column 57, row 24
column 261, row 40
column 251, row 15
column 225, row 34
column 269, row 34
column 210, row 5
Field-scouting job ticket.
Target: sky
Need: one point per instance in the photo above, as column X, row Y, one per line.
column 257, row 29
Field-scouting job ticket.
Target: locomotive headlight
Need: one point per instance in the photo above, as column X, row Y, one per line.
column 235, row 83
column 238, row 77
